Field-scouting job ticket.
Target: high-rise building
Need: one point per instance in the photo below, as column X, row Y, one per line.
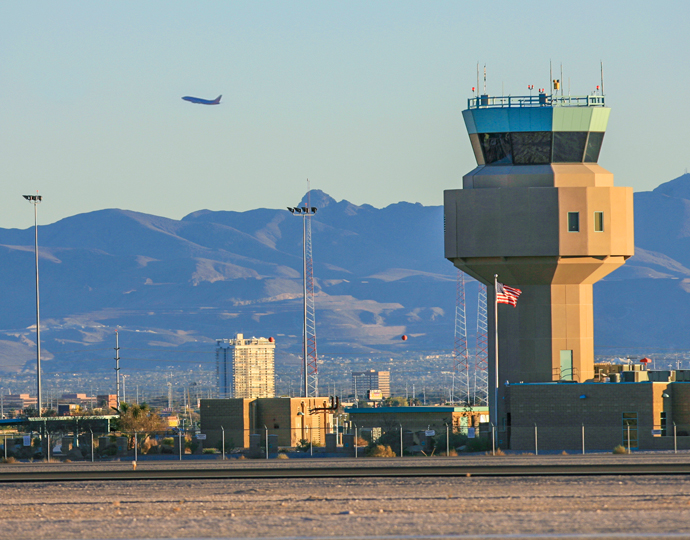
column 246, row 367
column 542, row 214
column 371, row 380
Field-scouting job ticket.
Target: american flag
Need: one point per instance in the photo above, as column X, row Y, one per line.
column 507, row 295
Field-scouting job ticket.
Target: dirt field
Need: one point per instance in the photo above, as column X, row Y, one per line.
column 558, row 507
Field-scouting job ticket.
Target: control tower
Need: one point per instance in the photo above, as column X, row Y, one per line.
column 542, row 214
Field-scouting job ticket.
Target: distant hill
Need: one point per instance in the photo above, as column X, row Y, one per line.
column 176, row 285
column 181, row 284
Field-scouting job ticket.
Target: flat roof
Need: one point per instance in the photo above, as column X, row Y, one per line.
column 408, row 410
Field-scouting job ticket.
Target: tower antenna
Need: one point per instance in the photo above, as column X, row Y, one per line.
column 601, row 65
column 481, row 362
column 460, row 355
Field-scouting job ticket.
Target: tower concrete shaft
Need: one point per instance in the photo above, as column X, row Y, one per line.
column 542, row 214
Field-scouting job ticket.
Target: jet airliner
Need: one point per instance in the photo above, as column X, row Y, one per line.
column 203, row 101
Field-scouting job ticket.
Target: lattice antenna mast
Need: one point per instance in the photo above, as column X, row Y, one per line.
column 309, row 305
column 461, row 363
column 481, row 364
column 310, row 383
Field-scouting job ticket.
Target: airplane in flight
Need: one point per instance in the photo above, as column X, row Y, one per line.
column 203, row 101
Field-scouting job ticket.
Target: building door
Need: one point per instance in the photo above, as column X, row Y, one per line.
column 567, row 365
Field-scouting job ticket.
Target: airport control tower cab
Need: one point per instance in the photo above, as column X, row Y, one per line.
column 541, row 213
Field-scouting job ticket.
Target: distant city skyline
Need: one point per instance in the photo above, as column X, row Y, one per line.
column 364, row 99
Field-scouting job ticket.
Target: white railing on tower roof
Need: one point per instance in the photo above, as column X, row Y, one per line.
column 538, row 100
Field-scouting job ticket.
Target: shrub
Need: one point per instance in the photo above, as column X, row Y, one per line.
column 9, row 460
column 168, row 441
column 499, row 452
column 210, row 451
column 361, row 442
column 380, row 451
column 283, row 456
column 620, row 449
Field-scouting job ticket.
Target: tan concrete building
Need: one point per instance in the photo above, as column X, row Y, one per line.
column 418, row 418
column 607, row 413
column 291, row 419
column 542, row 214
column 246, row 367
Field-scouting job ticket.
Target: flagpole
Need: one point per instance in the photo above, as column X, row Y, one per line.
column 496, row 350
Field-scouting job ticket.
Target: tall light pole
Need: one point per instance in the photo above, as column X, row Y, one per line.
column 310, row 368
column 35, row 200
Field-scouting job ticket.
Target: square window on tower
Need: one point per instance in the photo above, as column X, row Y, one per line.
column 573, row 221
column 598, row 221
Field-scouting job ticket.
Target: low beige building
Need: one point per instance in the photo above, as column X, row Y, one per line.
column 604, row 414
column 418, row 418
column 291, row 419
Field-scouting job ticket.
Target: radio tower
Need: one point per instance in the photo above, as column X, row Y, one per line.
column 481, row 363
column 461, row 364
column 310, row 383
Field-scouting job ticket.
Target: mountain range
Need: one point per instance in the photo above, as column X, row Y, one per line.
column 172, row 287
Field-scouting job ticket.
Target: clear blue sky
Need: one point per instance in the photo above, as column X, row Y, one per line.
column 362, row 98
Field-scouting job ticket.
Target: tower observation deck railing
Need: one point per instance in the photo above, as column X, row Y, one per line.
column 539, row 100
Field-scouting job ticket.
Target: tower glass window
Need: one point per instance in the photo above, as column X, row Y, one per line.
column 569, row 146
column 531, row 147
column 496, row 148
column 598, row 221
column 594, row 146
column 573, row 221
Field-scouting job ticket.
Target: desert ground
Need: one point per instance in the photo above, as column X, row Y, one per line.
column 417, row 507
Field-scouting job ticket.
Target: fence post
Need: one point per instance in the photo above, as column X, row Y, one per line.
column 48, row 450
column 91, row 430
column 401, row 441
column 447, row 442
column 136, row 449
column 266, row 429
column 223, row 450
column 628, row 426
column 675, row 443
column 179, row 439
column 355, row 444
column 493, row 440
column 5, row 446
column 583, row 439
column 536, row 445
column 311, row 443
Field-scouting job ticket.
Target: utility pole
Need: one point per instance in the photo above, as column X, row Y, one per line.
column 124, row 389
column 117, row 369
column 35, row 200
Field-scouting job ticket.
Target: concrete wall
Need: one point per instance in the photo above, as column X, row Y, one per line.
column 233, row 415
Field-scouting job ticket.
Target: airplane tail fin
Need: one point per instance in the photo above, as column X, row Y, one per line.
column 217, row 100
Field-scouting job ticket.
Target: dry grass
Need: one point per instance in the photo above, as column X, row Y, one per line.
column 283, row 456
column 9, row 460
column 620, row 449
column 499, row 452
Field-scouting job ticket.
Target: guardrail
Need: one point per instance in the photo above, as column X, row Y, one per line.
column 540, row 100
